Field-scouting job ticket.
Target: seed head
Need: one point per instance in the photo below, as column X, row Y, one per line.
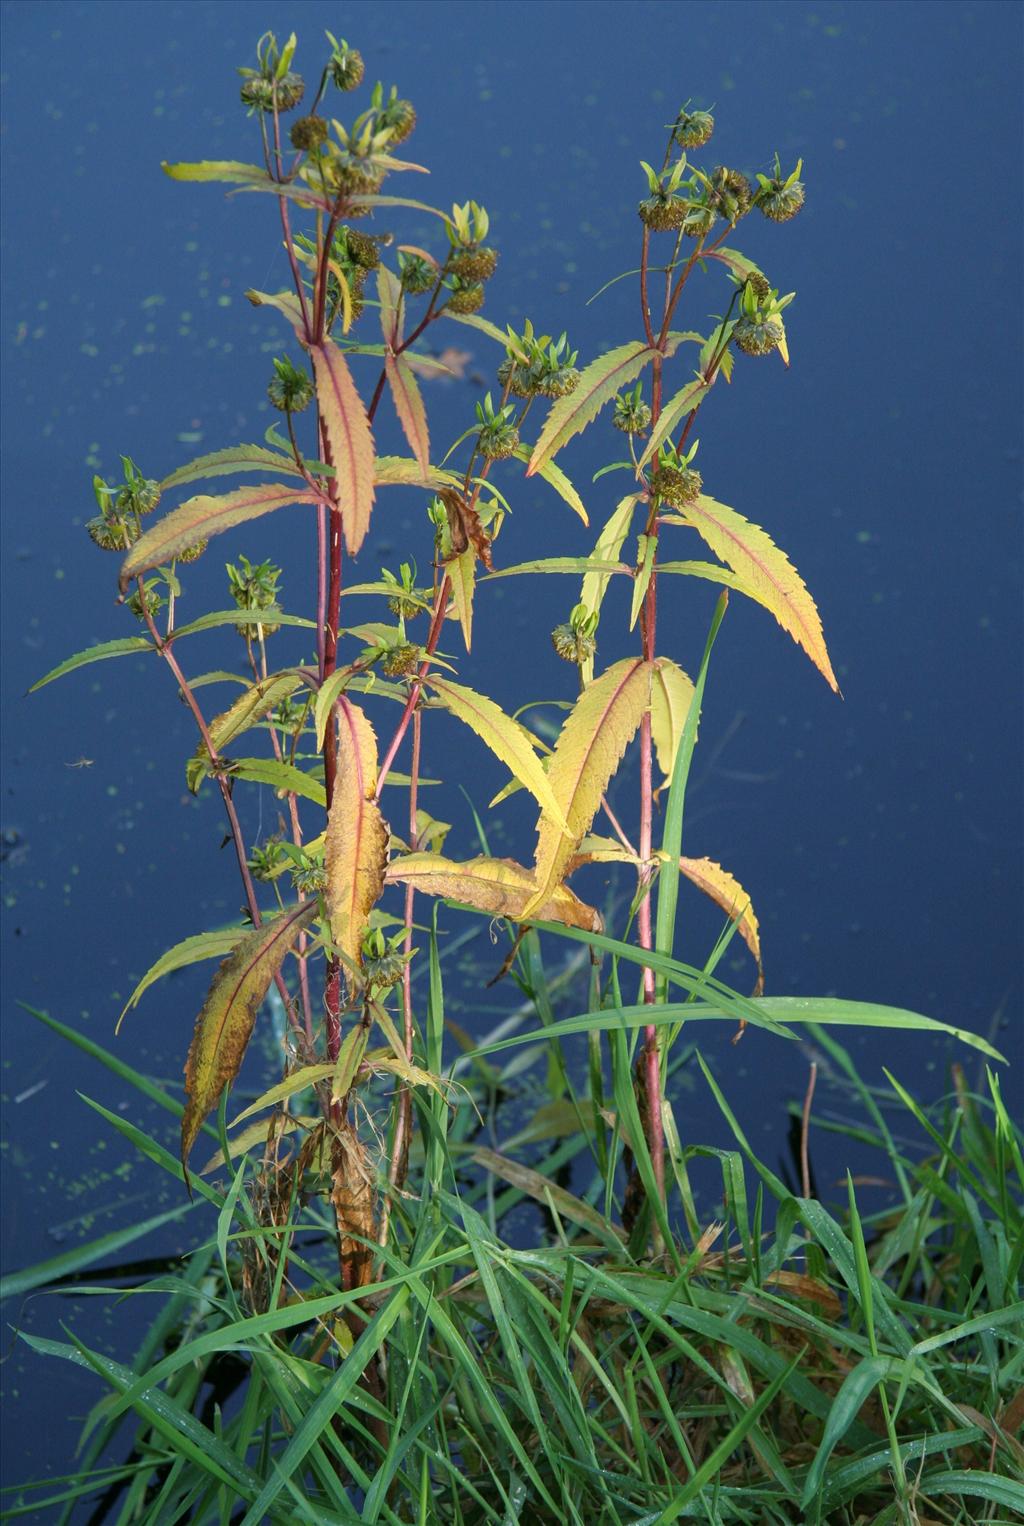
column 475, row 263
column 112, row 533
column 466, row 299
column 693, row 128
column 661, row 212
column 676, row 485
column 781, row 202
column 573, row 645
column 757, row 335
column 417, row 274
column 498, row 439
column 308, row 133
column 192, row 553
column 346, row 66
column 400, row 659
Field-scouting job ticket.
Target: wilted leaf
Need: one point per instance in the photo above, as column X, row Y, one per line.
column 671, row 693
column 286, row 303
column 225, row 1023
column 729, row 894
column 772, row 578
column 350, row 440
column 357, row 838
column 505, row 737
column 496, row 885
column 408, row 401
column 590, row 745
column 202, row 517
column 236, row 458
column 352, row 1195
column 464, row 526
column 598, row 384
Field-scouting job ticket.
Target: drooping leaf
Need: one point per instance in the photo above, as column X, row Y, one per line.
column 295, row 1081
column 727, row 892
column 684, row 402
column 461, row 571
column 247, row 177
column 250, row 617
column 496, row 885
column 770, row 576
column 210, row 945
column 408, row 401
column 506, row 738
column 357, row 838
column 225, row 1023
column 286, row 302
column 124, row 646
column 282, row 777
column 536, row 1185
column 236, row 458
column 557, row 479
column 671, row 693
column 350, row 440
column 390, row 471
column 465, row 528
column 256, row 1134
column 598, row 384
column 590, row 745
column 248, row 710
column 326, row 696
column 200, row 518
column 483, row 325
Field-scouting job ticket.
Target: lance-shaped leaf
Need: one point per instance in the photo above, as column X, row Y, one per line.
column 357, row 839
column 590, row 745
column 246, row 177
column 557, row 479
column 684, row 403
column 598, row 384
column 211, row 945
column 408, row 401
column 583, row 564
column 225, row 1024
column 350, row 440
column 671, row 693
column 286, row 302
column 461, row 572
column 389, row 290
column 506, row 738
column 399, row 471
column 496, row 885
column 284, row 778
column 201, row 518
column 727, row 892
column 236, row 458
column 124, row 646
column 609, row 544
column 248, row 709
column 772, row 579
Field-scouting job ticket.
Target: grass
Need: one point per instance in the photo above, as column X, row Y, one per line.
column 785, row 1359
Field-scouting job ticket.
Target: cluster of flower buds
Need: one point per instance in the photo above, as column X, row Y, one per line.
column 266, row 860
column 759, row 329
column 498, row 437
column 632, row 414
column 536, row 364
column 272, row 86
column 674, row 480
column 407, row 601
column 575, row 640
column 117, row 526
column 471, row 262
column 352, row 257
column 254, row 588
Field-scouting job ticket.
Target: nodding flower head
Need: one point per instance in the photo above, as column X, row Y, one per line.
column 308, row 133
column 574, row 640
column 663, row 208
column 780, row 198
column 632, row 414
column 498, row 437
column 674, row 480
column 345, row 65
column 290, row 390
column 693, row 128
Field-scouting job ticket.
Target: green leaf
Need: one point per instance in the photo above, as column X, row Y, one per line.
column 280, row 776
column 846, row 1406
column 225, row 1023
column 251, row 617
column 482, row 325
column 598, row 384
column 246, row 711
column 976, row 1484
column 79, row 1256
column 609, row 545
column 326, row 699
column 556, row 478
column 349, row 438
column 461, row 571
column 236, row 458
column 202, row 517
column 647, row 550
column 200, row 946
column 123, row 647
column 248, row 177
column 685, row 402
column 585, row 564
column 506, row 738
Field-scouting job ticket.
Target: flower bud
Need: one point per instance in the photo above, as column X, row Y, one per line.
column 498, row 439
column 758, row 335
column 192, row 553
column 308, row 133
column 111, row 533
column 731, row 193
column 693, row 128
column 145, row 600
column 676, row 485
column 291, row 390
column 573, row 645
column 466, row 299
column 475, row 263
column 346, row 66
column 417, row 274
column 758, row 284
column 781, row 201
column 558, row 383
column 400, row 659
column 661, row 212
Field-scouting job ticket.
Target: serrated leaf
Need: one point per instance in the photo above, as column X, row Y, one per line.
column 556, row 478
column 295, row 1081
column 770, row 576
column 349, row 438
column 202, row 517
column 286, row 302
column 482, row 325
column 598, row 384
column 408, row 401
column 251, row 617
column 356, row 848
column 256, row 1134
column 280, row 776
column 461, row 571
column 727, row 892
column 236, row 458
column 591, row 743
column 506, row 738
column 248, row 709
column 609, row 544
column 389, row 290
column 325, row 699
column 684, row 402
column 399, row 471
column 585, row 564
column 397, row 201
column 200, row 946
column 647, row 546
column 124, row 646
column 671, row 694
column 496, row 885
column 225, row 1023
column 246, row 177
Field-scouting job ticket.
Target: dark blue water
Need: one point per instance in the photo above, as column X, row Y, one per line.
column 879, row 835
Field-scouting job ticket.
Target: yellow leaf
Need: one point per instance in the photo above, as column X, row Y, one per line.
column 496, row 885
column 771, row 577
column 505, row 737
column 461, row 571
column 671, row 693
column 408, row 401
column 609, row 544
column 729, row 894
column 357, row 838
column 596, row 733
column 225, row 1023
column 349, row 440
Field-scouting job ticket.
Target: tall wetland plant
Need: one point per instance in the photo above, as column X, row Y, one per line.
column 390, row 1356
